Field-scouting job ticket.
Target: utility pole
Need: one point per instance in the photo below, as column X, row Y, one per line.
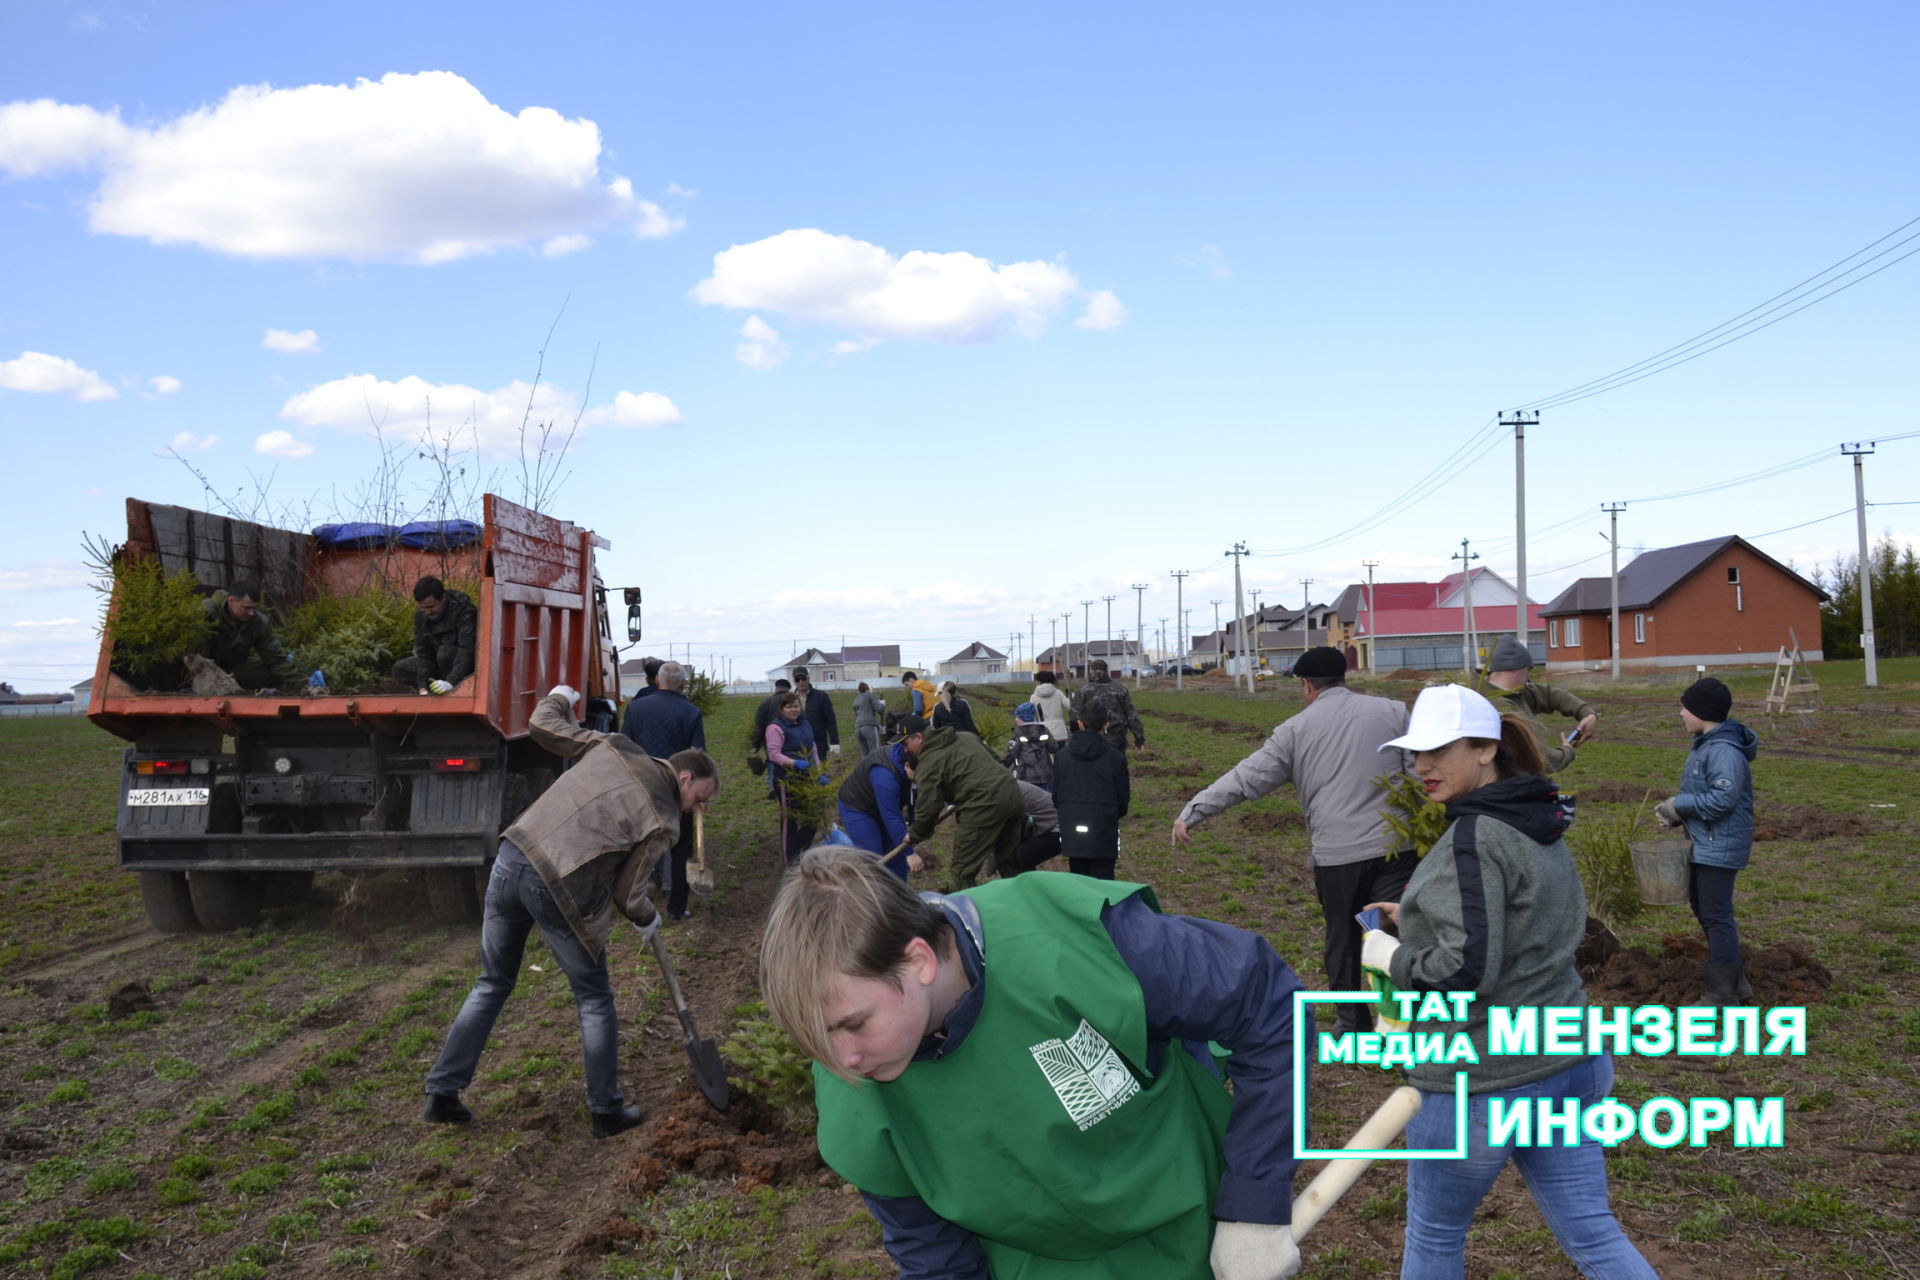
column 1371, row 565
column 1857, row 451
column 1033, row 654
column 1306, row 608
column 1239, row 615
column 1086, row 631
column 1466, row 614
column 1066, row 622
column 1613, row 510
column 1163, row 638
column 1140, row 628
column 1179, row 659
column 1109, row 600
column 1520, row 421
column 1053, row 644
column 1253, row 641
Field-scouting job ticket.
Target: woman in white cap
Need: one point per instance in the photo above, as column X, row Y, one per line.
column 1495, row 909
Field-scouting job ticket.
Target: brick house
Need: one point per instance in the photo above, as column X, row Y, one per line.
column 1423, row 625
column 1721, row 602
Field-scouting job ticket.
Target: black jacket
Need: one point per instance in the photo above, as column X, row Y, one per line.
column 960, row 717
column 819, row 714
column 448, row 641
column 1092, row 792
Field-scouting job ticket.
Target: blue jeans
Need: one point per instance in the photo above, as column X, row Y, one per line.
column 517, row 900
column 1568, row 1183
column 1710, row 893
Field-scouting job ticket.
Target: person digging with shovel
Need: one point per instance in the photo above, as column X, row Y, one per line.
column 1017, row 1080
column 580, row 852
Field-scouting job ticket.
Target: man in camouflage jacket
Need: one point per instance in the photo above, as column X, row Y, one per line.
column 444, row 627
column 240, row 640
column 1122, row 720
column 1510, row 690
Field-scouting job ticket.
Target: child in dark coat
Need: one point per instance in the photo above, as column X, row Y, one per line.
column 1091, row 791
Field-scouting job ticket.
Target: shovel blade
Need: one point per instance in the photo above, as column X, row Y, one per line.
column 708, row 1073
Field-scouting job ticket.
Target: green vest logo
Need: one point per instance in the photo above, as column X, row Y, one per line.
column 1086, row 1074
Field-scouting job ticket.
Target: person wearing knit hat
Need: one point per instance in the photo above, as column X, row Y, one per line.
column 1715, row 805
column 1510, row 690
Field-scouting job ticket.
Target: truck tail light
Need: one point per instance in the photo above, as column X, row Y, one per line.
column 164, row 768
column 457, row 764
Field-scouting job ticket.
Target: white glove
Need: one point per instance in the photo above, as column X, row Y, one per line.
column 567, row 691
column 647, row 930
column 1376, row 951
column 1668, row 815
column 834, row 750
column 1253, row 1251
column 437, row 687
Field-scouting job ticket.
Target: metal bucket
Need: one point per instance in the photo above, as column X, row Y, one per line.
column 1661, row 868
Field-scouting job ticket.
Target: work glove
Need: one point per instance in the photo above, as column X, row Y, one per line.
column 834, row 750
column 567, row 691
column 1376, row 950
column 1253, row 1251
column 438, row 687
column 647, row 930
column 317, row 682
column 823, row 780
column 801, row 766
column 1667, row 814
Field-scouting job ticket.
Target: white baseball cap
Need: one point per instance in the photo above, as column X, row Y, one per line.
column 1446, row 714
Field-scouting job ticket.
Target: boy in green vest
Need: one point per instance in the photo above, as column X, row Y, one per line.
column 1016, row 1076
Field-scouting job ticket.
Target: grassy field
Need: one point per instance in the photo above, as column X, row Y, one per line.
column 244, row 1105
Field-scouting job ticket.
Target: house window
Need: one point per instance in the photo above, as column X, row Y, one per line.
column 1639, row 628
column 1553, row 633
column 1733, row 575
column 1573, row 633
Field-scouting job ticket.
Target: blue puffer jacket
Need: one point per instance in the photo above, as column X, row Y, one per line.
column 1716, row 795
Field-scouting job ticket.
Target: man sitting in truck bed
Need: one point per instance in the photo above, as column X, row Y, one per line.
column 240, row 639
column 443, row 632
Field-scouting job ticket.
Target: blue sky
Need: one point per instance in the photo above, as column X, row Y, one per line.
column 908, row 322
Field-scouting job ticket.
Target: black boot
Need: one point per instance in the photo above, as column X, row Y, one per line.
column 446, row 1108
column 1723, row 982
column 1742, row 987
column 607, row 1123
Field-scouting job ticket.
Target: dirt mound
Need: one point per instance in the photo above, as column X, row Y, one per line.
column 1264, row 821
column 1615, row 793
column 1599, row 946
column 1150, row 769
column 1804, row 822
column 1783, row 973
column 1408, row 673
column 749, row 1142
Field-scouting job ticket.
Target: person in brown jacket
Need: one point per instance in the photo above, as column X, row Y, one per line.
column 580, row 852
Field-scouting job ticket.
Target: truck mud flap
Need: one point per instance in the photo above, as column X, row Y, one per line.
column 319, row 851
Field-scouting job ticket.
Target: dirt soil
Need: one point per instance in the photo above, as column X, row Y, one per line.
column 1781, row 973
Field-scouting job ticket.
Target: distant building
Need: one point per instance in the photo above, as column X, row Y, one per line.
column 975, row 660
column 853, row 664
column 1122, row 656
column 1720, row 602
column 1425, row 626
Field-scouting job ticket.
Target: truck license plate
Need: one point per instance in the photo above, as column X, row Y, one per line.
column 167, row 795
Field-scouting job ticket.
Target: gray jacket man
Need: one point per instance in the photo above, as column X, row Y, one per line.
column 1330, row 751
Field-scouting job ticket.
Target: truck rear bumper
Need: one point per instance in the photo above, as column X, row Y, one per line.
column 318, row 851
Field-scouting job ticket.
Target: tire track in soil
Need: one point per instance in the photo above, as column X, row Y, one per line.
column 82, row 957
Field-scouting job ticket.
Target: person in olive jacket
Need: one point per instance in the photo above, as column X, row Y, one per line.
column 1091, row 790
column 444, row 627
column 955, row 768
column 241, row 640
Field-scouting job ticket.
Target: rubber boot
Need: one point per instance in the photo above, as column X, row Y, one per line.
column 608, row 1123
column 1723, row 985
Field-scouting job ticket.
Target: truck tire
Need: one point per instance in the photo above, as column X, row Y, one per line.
column 224, row 900
column 453, row 894
column 169, row 905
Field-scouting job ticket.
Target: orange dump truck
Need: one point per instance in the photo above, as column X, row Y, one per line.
column 230, row 803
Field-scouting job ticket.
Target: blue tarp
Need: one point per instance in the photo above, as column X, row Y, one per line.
column 359, row 535
column 439, row 535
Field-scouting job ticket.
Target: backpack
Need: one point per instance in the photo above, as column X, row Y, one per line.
column 1031, row 754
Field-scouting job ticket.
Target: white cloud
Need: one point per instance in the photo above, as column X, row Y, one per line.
column 561, row 246
column 942, row 297
column 38, row 372
column 281, row 444
column 304, row 342
column 45, row 575
column 412, row 407
column 1209, row 259
column 654, row 222
column 679, row 192
column 854, row 346
column 50, row 622
column 164, row 385
column 187, row 440
column 644, row 410
column 763, row 348
column 1104, row 311
column 418, row 167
